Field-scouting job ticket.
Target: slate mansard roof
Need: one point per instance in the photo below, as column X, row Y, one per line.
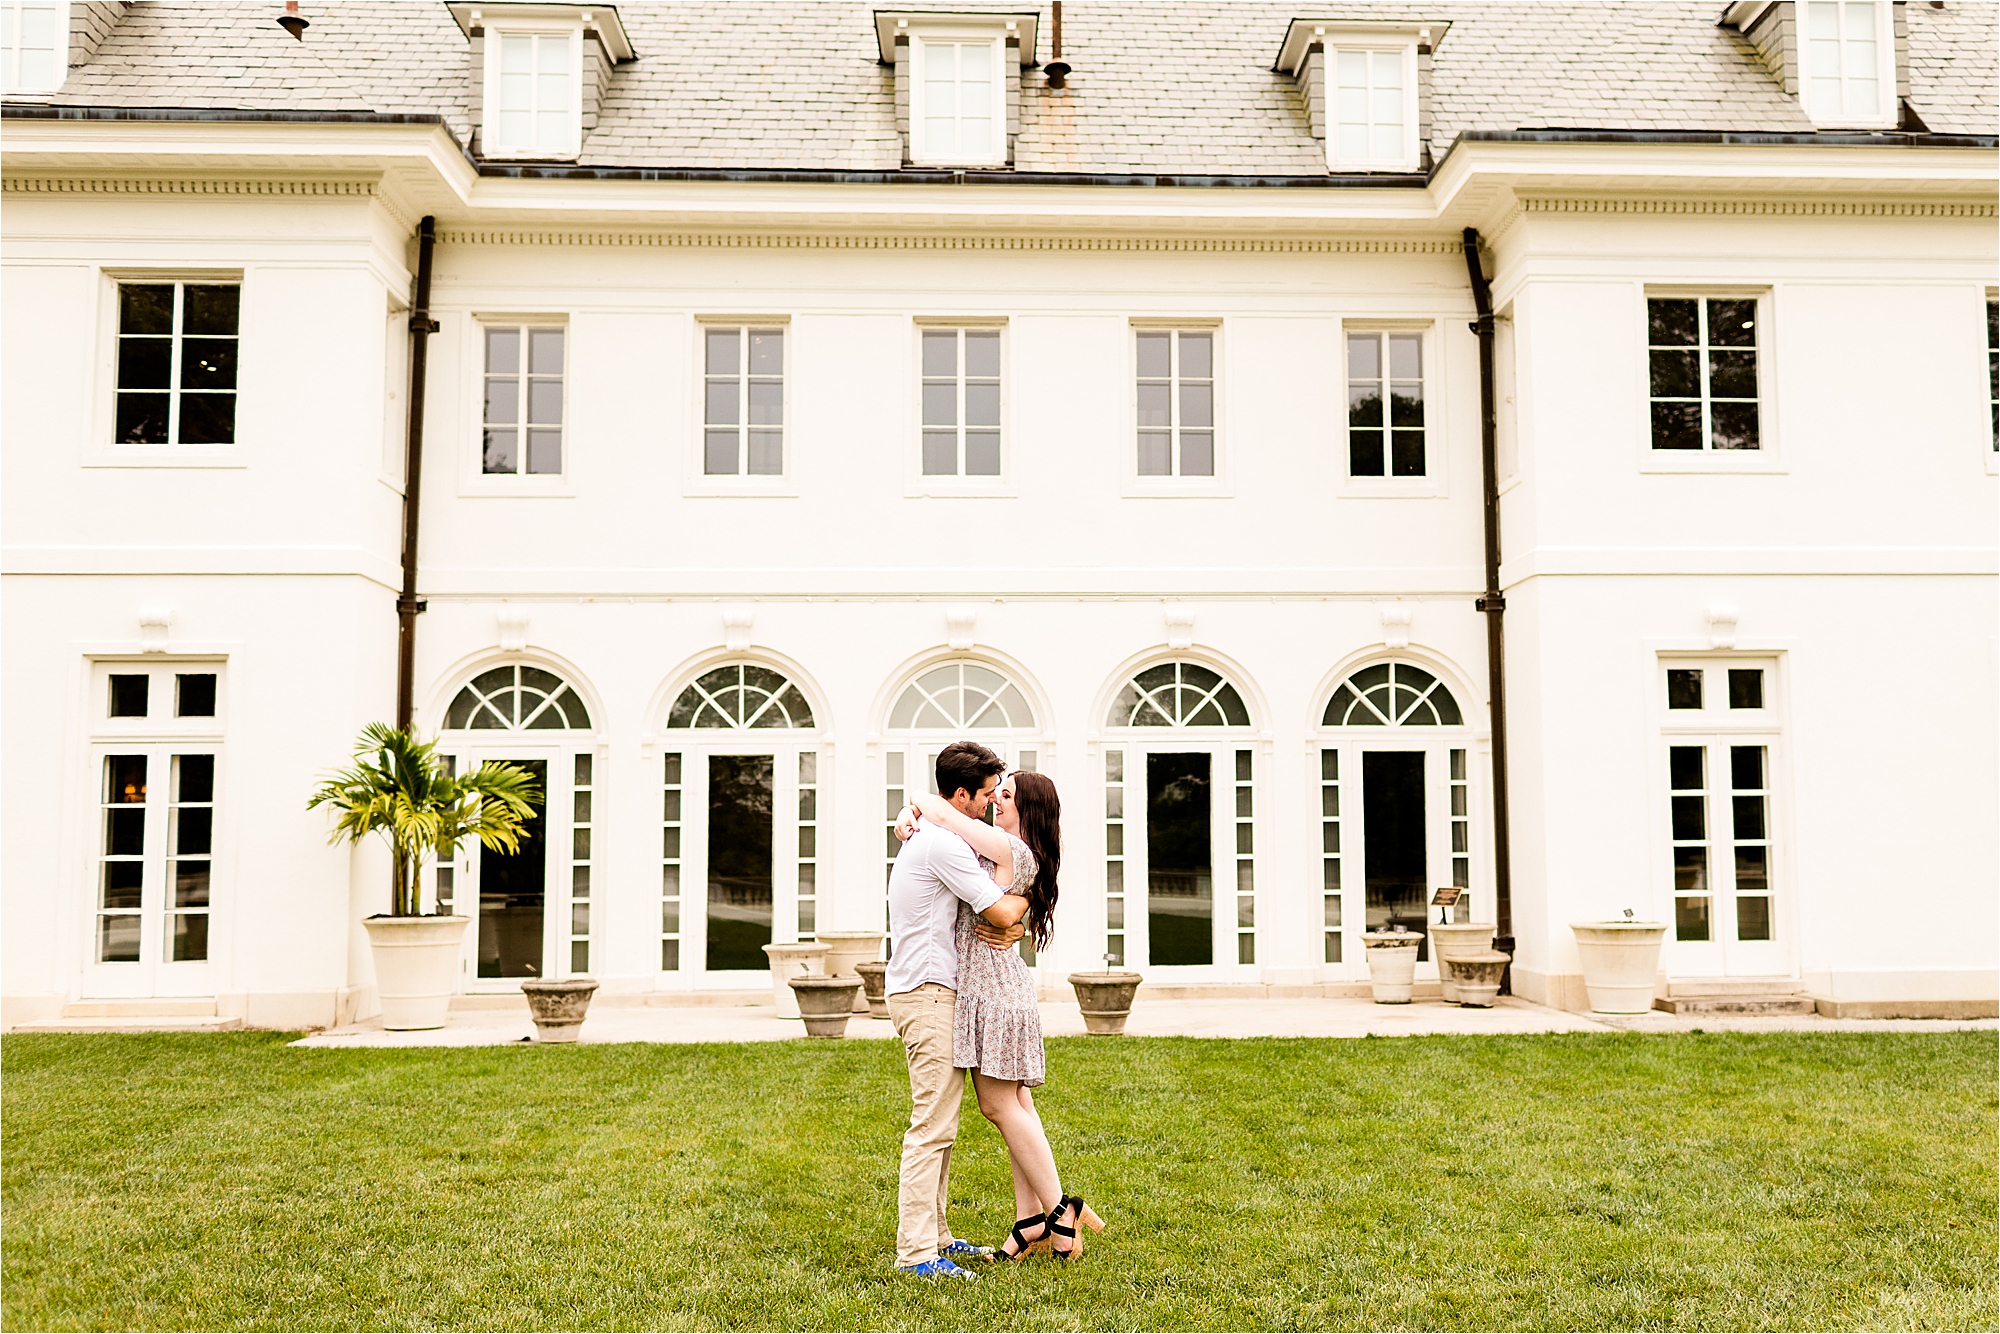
column 1170, row 86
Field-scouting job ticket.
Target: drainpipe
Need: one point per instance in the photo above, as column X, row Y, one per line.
column 408, row 608
column 1492, row 602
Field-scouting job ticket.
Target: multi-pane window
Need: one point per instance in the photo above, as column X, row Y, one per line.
column 33, row 45
column 1176, row 403
column 537, row 109
column 190, row 845
column 743, row 402
column 1370, row 109
column 1744, row 687
column 1843, row 74
column 897, row 794
column 961, row 409
column 808, row 897
column 1993, row 366
column 524, row 399
column 181, row 865
column 670, row 869
column 1687, row 772
column 1329, row 823
column 446, row 871
column 1702, row 356
column 177, row 363
column 1750, row 838
column 1114, row 857
column 1461, row 827
column 581, row 823
column 1698, row 844
column 1246, row 879
column 1385, row 405
column 122, row 861
column 958, row 85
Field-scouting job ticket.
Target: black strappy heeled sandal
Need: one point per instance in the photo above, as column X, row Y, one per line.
column 1075, row 1210
column 1019, row 1237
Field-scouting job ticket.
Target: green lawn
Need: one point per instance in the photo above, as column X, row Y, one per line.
column 1573, row 1181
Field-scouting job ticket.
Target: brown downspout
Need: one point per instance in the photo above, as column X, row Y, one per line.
column 408, row 608
column 1492, row 602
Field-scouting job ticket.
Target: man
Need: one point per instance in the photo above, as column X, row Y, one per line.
column 935, row 871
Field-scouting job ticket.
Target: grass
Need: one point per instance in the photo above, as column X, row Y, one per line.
column 1576, row 1181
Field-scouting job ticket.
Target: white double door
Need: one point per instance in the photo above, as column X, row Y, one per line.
column 1188, row 835
column 524, row 904
column 152, row 873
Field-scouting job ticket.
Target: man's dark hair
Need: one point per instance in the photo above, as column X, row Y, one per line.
column 966, row 764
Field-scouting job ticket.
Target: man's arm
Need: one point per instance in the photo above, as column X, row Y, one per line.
column 955, row 864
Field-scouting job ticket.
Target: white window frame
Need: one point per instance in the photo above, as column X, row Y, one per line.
column 490, row 144
column 1434, row 480
column 103, row 449
column 10, row 53
column 921, row 152
column 696, row 479
column 1769, row 457
column 474, row 480
column 1988, row 298
column 1888, row 102
column 743, row 376
column 919, row 482
column 1176, row 486
column 1410, row 158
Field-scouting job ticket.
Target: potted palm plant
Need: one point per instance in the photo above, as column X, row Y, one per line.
column 398, row 788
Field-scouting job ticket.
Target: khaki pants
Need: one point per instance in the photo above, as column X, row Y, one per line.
column 923, row 1020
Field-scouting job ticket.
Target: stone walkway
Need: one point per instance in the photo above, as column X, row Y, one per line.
column 1329, row 1018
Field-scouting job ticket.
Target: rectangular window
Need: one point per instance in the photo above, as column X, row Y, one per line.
column 122, row 859
column 1702, row 360
column 1114, row 858
column 447, row 865
column 1176, row 403
column 190, row 839
column 138, row 873
column 1844, row 48
column 1246, row 880
column 743, row 402
column 34, row 45
column 1385, row 405
column 536, row 107
column 524, row 400
column 808, row 896
column 1750, row 840
column 1371, row 110
column 1687, row 769
column 177, row 363
column 582, row 811
column 961, row 407
column 895, row 797
column 670, row 869
column 960, row 112
column 1993, row 366
column 1329, row 811
column 1461, row 836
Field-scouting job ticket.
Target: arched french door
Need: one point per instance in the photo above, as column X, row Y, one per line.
column 533, row 907
column 961, row 700
column 741, row 777
column 1180, row 800
column 1395, row 800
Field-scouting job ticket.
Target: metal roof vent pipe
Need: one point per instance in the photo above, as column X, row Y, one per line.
column 1057, row 69
column 292, row 23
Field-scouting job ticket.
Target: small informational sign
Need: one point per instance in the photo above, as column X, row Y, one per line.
column 1446, row 896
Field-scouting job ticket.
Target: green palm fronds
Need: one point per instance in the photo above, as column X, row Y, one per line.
column 398, row 788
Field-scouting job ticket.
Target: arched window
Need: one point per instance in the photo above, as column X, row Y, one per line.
column 960, row 696
column 1392, row 694
column 508, row 697
column 1178, row 694
column 740, row 695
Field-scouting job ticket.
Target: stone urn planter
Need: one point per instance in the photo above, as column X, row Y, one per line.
column 1392, row 964
column 844, row 949
column 788, row 961
column 1479, row 974
column 1105, row 999
column 1451, row 939
column 825, row 1003
column 1620, row 962
column 873, row 983
column 416, row 967
column 558, row 1005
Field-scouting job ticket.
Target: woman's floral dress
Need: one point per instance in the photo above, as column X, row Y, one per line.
column 999, row 1027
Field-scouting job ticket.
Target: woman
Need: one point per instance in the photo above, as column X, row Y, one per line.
column 998, row 1033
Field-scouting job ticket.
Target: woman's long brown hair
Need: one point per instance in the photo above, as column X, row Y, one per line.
column 1040, row 811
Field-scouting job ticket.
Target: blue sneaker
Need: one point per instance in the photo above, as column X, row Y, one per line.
column 938, row 1268
column 961, row 1249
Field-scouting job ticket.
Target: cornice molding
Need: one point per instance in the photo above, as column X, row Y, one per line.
column 502, row 236
column 114, row 185
column 1787, row 208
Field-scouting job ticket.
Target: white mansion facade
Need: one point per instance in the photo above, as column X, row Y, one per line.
column 804, row 387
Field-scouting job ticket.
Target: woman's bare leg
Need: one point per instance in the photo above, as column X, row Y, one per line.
column 1006, row 1103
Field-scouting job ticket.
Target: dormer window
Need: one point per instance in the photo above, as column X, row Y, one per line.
column 539, row 72
column 1847, row 64
column 958, row 84
column 1362, row 86
column 34, row 45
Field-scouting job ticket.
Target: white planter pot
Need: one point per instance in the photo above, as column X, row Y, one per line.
column 844, row 949
column 416, row 967
column 1449, row 939
column 807, row 958
column 1620, row 961
column 1392, row 964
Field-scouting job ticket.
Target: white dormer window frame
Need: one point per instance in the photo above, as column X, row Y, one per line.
column 929, row 41
column 507, row 40
column 34, row 46
column 1369, row 78
column 1828, row 35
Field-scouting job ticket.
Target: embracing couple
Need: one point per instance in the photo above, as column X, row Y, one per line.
column 963, row 892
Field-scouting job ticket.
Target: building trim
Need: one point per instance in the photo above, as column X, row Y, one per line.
column 947, row 241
